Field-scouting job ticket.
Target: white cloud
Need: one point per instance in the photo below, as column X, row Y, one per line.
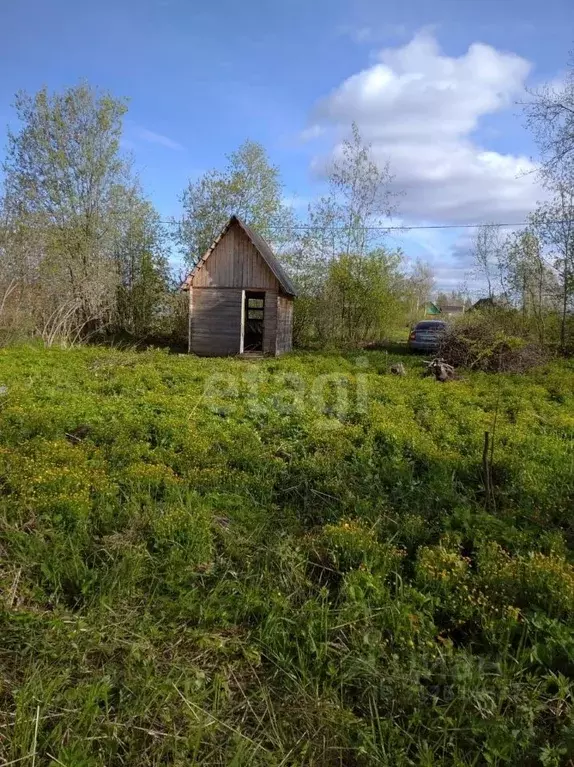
column 372, row 34
column 419, row 108
column 158, row 138
column 312, row 132
column 356, row 34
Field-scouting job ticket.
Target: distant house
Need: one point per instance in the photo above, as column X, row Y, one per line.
column 485, row 303
column 431, row 309
column 240, row 299
column 451, row 310
column 448, row 310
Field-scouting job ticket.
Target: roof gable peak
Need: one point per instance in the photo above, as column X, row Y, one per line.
column 263, row 249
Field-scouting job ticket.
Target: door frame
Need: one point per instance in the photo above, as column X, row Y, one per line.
column 245, row 296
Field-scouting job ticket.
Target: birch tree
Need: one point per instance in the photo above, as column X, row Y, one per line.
column 549, row 112
column 486, row 252
column 343, row 242
column 249, row 186
column 554, row 224
column 78, row 227
column 62, row 171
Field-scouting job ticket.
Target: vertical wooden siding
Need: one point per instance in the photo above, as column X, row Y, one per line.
column 270, row 322
column 216, row 321
column 215, row 299
column 190, row 319
column 235, row 263
column 284, row 324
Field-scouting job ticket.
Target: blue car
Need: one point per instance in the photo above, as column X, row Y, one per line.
column 427, row 335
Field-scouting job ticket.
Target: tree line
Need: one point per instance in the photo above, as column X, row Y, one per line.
column 531, row 269
column 84, row 253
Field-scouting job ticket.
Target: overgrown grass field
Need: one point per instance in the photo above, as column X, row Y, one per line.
column 283, row 562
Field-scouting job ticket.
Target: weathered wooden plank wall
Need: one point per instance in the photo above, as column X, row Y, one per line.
column 235, row 263
column 189, row 318
column 270, row 322
column 284, row 324
column 216, row 321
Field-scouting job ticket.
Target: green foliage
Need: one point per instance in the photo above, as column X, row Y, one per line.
column 249, row 187
column 67, row 148
column 79, row 233
column 142, row 266
column 216, row 562
column 364, row 294
column 351, row 288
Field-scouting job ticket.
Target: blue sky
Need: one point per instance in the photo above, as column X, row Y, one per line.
column 432, row 85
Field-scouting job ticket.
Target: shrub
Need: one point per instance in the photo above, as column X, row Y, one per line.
column 492, row 340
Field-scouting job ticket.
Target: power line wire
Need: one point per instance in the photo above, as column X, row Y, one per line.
column 399, row 228
column 309, row 227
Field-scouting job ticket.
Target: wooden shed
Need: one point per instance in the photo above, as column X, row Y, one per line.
column 240, row 299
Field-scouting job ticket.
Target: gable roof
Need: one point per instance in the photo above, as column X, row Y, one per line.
column 485, row 303
column 431, row 308
column 262, row 248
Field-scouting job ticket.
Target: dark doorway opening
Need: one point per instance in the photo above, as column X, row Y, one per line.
column 253, row 328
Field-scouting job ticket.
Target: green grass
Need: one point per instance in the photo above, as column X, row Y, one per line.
column 284, row 562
